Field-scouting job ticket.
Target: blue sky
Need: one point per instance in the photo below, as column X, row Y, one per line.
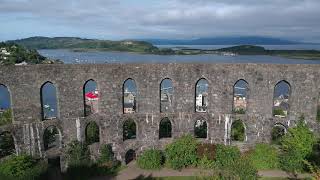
column 178, row 19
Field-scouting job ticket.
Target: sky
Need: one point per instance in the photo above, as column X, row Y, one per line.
column 166, row 19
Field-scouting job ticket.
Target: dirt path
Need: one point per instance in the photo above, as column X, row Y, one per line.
column 133, row 172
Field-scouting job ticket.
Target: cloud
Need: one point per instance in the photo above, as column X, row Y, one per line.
column 113, row 19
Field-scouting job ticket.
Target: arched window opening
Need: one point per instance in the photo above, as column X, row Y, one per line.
column 200, row 129
column 49, row 101
column 91, row 97
column 129, row 96
column 166, row 94
column 129, row 129
column 281, row 99
column 130, row 156
column 5, row 106
column 240, row 97
column 237, row 131
column 201, row 95
column 165, row 128
column 6, row 144
column 318, row 109
column 92, row 133
column 277, row 132
column 51, row 138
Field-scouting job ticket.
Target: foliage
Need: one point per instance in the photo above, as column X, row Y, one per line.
column 206, row 150
column 277, row 133
column 278, row 112
column 151, row 159
column 6, row 144
column 22, row 167
column 78, row 154
column 264, row 156
column 129, row 129
column 226, row 155
column 165, row 128
column 92, row 133
column 296, row 145
column 239, row 111
column 237, row 131
column 200, row 129
column 314, row 169
column 205, row 163
column 49, row 136
column 182, row 152
column 6, row 117
column 106, row 154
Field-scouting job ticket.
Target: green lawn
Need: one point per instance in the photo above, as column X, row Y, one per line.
column 194, row 178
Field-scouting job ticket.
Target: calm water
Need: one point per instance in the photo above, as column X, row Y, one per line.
column 71, row 57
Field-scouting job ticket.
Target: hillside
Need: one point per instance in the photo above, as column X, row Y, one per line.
column 85, row 44
column 253, row 40
column 11, row 53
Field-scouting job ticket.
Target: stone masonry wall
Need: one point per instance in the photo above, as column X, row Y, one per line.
column 24, row 83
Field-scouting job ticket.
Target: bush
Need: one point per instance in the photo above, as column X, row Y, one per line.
column 264, row 156
column 182, row 152
column 226, row 155
column 150, row 159
column 206, row 150
column 6, row 117
column 205, row 163
column 78, row 154
column 106, row 154
column 22, row 167
column 244, row 169
column 237, row 131
column 296, row 145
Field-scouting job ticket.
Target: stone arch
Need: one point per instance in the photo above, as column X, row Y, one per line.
column 165, row 128
column 238, row 131
column 201, row 128
column 281, row 97
column 201, row 95
column 52, row 138
column 130, row 156
column 49, row 101
column 91, row 97
column 6, row 113
column 240, row 96
column 129, row 96
column 7, row 144
column 277, row 132
column 166, row 95
column 129, row 129
column 92, row 133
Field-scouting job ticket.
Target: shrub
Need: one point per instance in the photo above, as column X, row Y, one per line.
column 92, row 133
column 277, row 133
column 296, row 145
column 22, row 167
column 244, row 169
column 226, row 155
column 78, row 154
column 237, row 131
column 264, row 156
column 6, row 117
column 206, row 150
column 150, row 159
column 182, row 152
column 106, row 154
column 205, row 163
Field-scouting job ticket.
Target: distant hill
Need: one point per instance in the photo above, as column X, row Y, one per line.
column 252, row 40
column 84, row 44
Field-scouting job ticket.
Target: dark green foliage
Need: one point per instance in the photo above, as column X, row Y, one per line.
column 92, row 133
column 165, row 128
column 226, row 155
column 129, row 129
column 240, row 111
column 6, row 117
column 78, row 154
column 237, row 131
column 314, row 157
column 277, row 133
column 244, row 170
column 107, row 154
column 182, row 152
column 296, row 146
column 6, row 144
column 264, row 156
column 200, row 131
column 151, row 159
column 49, row 137
column 22, row 167
column 278, row 112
